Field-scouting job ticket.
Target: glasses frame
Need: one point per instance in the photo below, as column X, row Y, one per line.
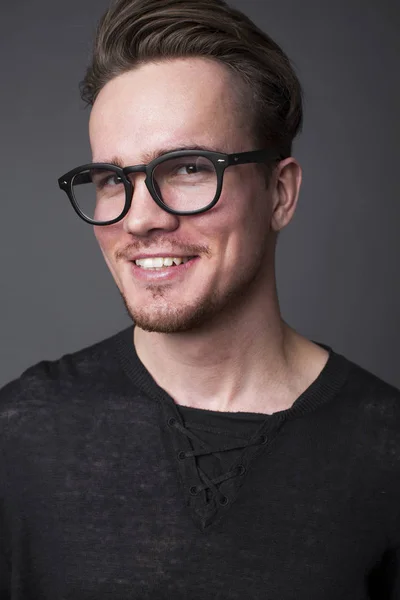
column 220, row 161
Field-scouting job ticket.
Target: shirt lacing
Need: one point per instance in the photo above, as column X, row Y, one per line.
column 213, row 483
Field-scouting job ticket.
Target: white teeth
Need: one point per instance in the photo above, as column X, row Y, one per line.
column 156, row 262
column 159, row 262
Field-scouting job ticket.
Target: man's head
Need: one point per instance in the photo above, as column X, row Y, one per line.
column 172, row 74
column 134, row 32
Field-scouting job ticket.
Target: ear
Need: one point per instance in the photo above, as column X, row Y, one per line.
column 286, row 182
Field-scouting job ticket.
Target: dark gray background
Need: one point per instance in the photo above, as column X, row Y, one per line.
column 338, row 270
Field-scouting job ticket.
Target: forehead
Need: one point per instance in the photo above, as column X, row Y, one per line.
column 168, row 104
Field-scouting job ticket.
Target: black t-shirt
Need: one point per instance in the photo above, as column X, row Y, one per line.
column 218, row 440
column 108, row 489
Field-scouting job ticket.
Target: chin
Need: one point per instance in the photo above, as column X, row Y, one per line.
column 160, row 317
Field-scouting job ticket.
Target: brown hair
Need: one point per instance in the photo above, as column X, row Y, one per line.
column 133, row 32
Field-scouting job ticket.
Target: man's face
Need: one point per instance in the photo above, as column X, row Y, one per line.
column 166, row 106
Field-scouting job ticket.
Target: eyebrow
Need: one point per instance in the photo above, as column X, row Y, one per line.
column 149, row 156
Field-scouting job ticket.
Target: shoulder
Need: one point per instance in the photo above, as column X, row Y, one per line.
column 48, row 384
column 371, row 394
column 367, row 432
column 367, row 418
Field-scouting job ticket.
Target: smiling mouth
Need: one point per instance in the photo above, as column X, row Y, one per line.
column 162, row 262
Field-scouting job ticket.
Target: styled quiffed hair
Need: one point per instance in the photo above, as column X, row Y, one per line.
column 134, row 32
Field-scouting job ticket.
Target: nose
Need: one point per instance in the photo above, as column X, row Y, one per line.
column 145, row 215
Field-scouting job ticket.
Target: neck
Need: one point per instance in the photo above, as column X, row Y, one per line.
column 258, row 365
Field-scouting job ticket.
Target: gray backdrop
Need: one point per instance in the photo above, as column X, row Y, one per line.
column 337, row 262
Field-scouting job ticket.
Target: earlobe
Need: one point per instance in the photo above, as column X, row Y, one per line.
column 286, row 193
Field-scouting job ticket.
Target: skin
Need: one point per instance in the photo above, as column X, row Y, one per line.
column 213, row 337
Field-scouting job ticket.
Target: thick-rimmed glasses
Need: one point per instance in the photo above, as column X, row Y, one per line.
column 182, row 182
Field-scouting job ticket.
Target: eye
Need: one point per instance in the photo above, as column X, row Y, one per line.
column 103, row 180
column 111, row 180
column 194, row 168
column 187, row 169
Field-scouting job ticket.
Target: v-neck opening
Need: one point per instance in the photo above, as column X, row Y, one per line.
column 176, row 419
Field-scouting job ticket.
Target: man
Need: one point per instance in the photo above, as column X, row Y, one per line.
column 208, row 451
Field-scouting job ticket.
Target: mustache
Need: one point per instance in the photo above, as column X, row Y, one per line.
column 171, row 246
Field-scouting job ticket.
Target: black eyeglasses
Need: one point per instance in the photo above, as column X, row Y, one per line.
column 182, row 182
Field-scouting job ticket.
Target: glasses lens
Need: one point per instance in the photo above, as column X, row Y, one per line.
column 99, row 194
column 186, row 183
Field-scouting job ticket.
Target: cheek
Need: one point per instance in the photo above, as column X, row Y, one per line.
column 107, row 238
column 240, row 220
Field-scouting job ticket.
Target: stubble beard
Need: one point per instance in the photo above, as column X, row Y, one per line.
column 161, row 317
